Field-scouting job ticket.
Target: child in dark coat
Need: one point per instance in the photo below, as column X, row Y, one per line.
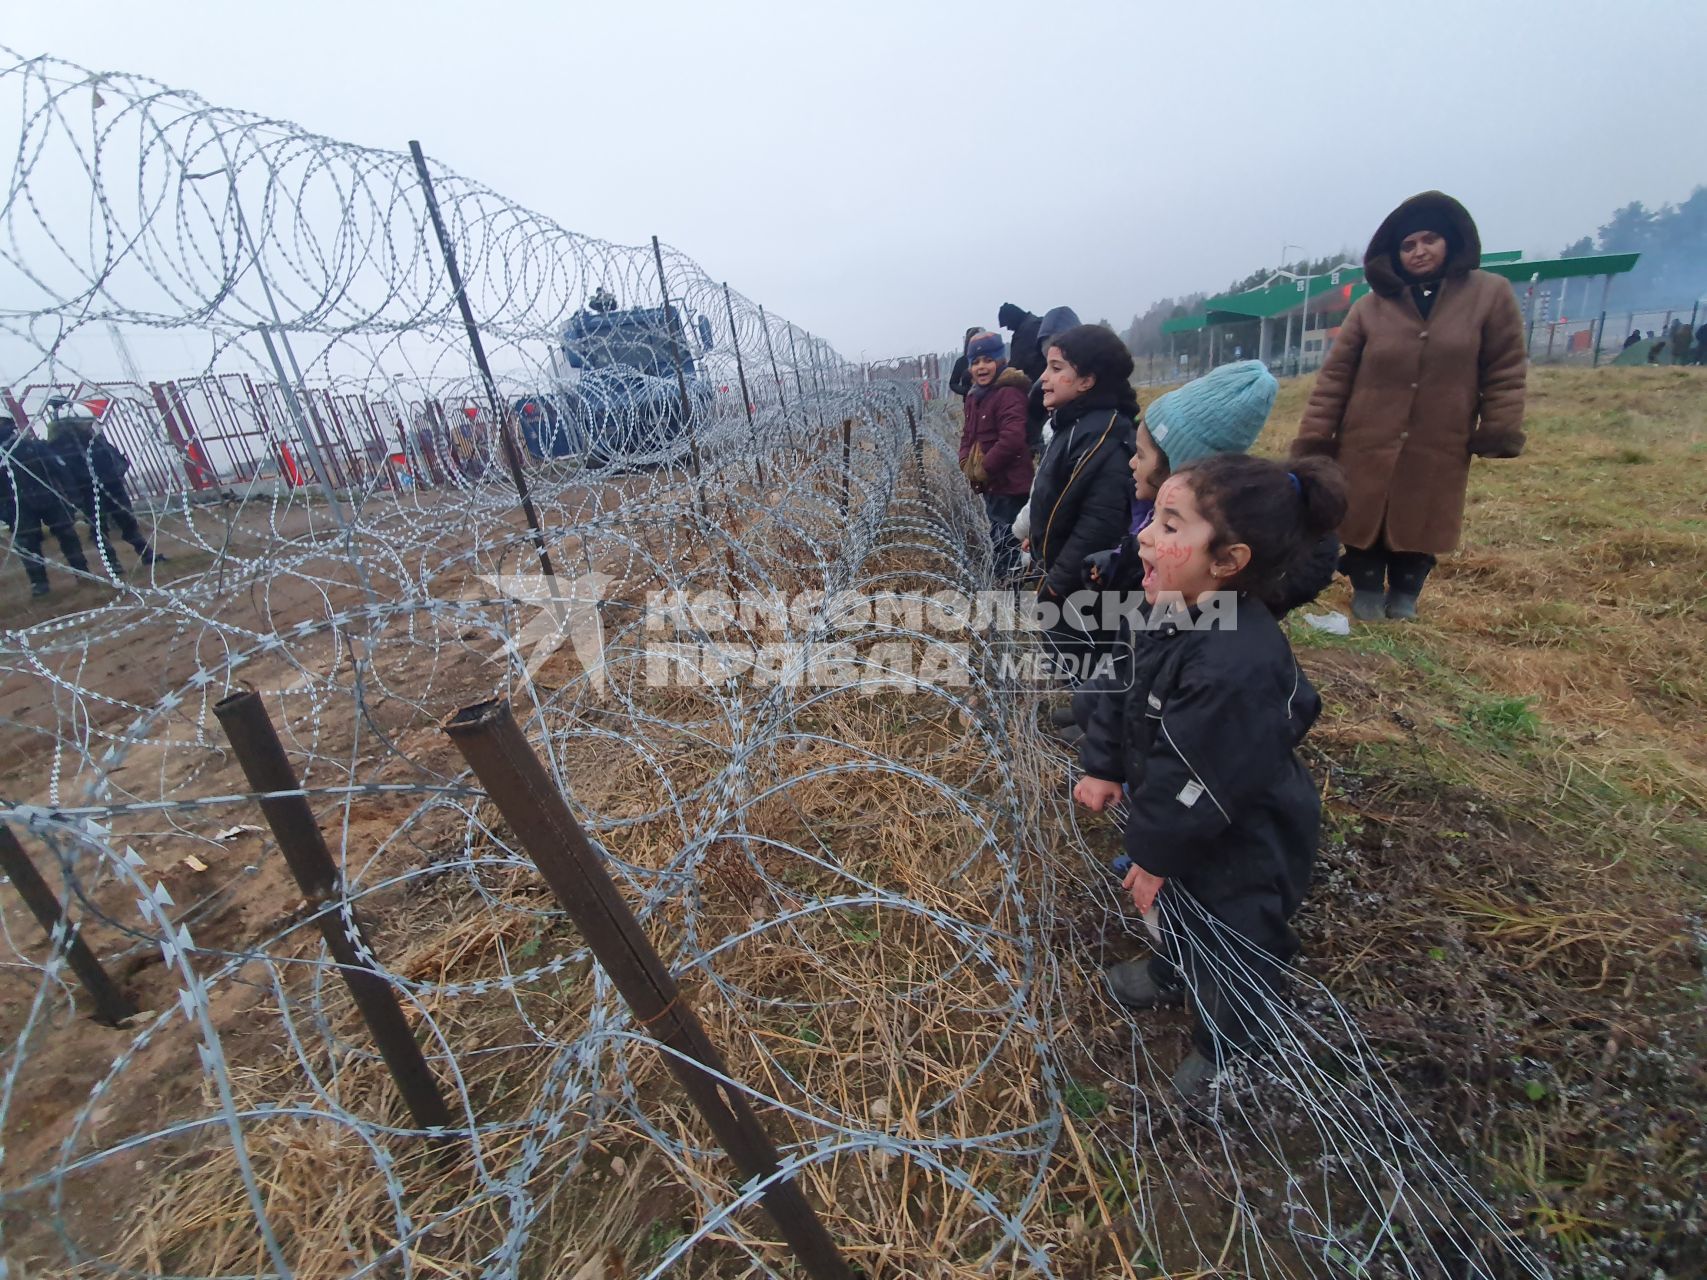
column 993, row 453
column 1222, row 816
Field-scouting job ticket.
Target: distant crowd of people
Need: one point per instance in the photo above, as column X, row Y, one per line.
column 1190, row 708
column 1685, row 348
column 47, row 483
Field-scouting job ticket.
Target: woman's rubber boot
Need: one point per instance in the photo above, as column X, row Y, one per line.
column 1369, row 606
column 1061, row 715
column 1402, row 606
column 1131, row 984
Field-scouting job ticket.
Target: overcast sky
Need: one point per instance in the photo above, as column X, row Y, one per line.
column 887, row 174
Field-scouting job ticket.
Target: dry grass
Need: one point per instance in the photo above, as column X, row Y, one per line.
column 1510, row 897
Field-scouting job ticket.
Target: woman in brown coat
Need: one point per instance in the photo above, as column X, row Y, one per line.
column 1427, row 372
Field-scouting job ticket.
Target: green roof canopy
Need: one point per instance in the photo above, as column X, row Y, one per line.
column 1600, row 264
column 1284, row 294
column 1185, row 324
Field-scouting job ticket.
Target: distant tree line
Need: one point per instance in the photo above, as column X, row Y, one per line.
column 1673, row 243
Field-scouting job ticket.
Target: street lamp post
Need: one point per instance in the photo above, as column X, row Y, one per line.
column 1287, row 349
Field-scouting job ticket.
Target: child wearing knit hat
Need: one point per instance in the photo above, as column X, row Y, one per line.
column 1221, row 412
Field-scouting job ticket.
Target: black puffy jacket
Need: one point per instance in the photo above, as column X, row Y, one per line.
column 31, row 476
column 88, row 459
column 960, row 378
column 1081, row 499
column 1205, row 741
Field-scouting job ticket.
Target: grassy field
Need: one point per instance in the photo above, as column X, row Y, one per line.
column 1517, row 804
column 1510, row 900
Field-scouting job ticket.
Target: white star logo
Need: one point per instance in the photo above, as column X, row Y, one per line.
column 569, row 610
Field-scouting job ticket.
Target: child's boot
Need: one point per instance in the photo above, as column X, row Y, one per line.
column 1194, row 1080
column 1132, row 984
column 1402, row 606
column 1370, row 606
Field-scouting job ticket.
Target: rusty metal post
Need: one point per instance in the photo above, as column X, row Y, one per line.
column 490, row 740
column 256, row 744
column 918, row 447
column 111, row 1005
column 847, row 465
column 500, row 411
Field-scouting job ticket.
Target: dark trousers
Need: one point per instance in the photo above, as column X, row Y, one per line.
column 110, row 505
column 1378, row 569
column 1233, row 984
column 1002, row 509
column 33, row 522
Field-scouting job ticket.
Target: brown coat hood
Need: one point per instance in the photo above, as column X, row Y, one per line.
column 1379, row 260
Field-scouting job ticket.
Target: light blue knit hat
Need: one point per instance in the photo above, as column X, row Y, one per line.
column 1221, row 412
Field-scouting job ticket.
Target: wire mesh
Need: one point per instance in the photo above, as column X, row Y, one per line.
column 830, row 809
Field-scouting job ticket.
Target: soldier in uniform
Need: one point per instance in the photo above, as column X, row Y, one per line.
column 32, row 500
column 95, row 470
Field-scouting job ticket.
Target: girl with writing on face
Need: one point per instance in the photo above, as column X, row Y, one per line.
column 1221, row 816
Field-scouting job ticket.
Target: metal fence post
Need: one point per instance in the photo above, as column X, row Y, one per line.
column 255, row 742
column 681, row 377
column 111, row 1005
column 490, row 740
column 741, row 371
column 847, row 465
column 512, row 454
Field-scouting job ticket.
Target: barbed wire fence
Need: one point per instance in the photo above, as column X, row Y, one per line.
column 868, row 886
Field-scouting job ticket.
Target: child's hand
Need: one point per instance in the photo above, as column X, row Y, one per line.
column 1096, row 794
column 1143, row 887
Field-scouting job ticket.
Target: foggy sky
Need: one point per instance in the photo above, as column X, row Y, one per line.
column 888, row 174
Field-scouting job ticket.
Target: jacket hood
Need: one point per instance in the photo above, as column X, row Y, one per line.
column 1012, row 377
column 1012, row 316
column 1380, row 259
column 1055, row 320
column 79, row 429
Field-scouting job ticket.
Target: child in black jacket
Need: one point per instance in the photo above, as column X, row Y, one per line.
column 1222, row 816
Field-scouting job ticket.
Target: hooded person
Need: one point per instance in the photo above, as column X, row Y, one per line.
column 1427, row 372
column 32, row 499
column 1681, row 340
column 1055, row 321
column 1023, row 352
column 993, row 456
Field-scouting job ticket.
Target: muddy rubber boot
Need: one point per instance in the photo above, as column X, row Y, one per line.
column 1131, row 983
column 1061, row 717
column 1368, row 606
column 1194, row 1081
column 1402, row 606
column 40, row 589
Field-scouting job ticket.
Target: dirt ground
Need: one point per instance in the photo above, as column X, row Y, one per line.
column 1510, row 895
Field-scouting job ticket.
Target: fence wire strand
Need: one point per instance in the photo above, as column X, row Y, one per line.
column 875, row 891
